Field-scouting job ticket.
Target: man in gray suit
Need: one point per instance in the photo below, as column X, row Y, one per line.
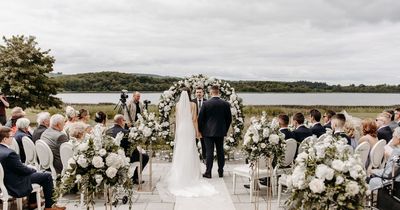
column 135, row 107
column 54, row 137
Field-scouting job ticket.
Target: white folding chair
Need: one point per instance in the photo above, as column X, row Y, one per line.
column 363, row 150
column 290, row 151
column 376, row 155
column 30, row 152
column 305, row 142
column 4, row 196
column 66, row 152
column 14, row 146
column 46, row 158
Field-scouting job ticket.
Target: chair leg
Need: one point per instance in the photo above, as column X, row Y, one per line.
column 5, row 204
column 81, row 201
column 279, row 193
column 251, row 190
column 273, row 185
column 234, row 183
column 19, row 203
column 38, row 200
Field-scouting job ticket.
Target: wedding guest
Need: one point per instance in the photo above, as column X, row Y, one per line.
column 327, row 118
column 23, row 130
column 54, row 137
column 338, row 121
column 316, row 128
column 43, row 120
column 83, row 116
column 18, row 178
column 394, row 143
column 119, row 123
column 71, row 115
column 16, row 113
column 369, row 131
column 101, row 119
column 3, row 105
column 283, row 120
column 77, row 132
column 392, row 124
column 384, row 131
column 135, row 107
column 301, row 132
column 199, row 100
column 350, row 131
column 397, row 115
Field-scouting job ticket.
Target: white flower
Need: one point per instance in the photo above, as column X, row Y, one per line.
column 265, row 132
column 102, row 152
column 131, row 171
column 118, row 138
column 147, row 131
column 82, row 161
column 71, row 161
column 324, row 172
column 233, row 112
column 111, row 172
column 83, row 147
column 172, row 143
column 317, row 185
column 339, row 180
column 78, row 178
column 231, row 139
column 274, row 139
column 256, row 138
column 298, row 177
column 113, row 160
column 356, row 171
column 98, row 162
column 338, row 165
column 99, row 178
column 167, row 109
column 302, row 157
column 263, row 145
column 352, row 188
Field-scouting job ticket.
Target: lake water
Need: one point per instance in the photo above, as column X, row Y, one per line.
column 346, row 99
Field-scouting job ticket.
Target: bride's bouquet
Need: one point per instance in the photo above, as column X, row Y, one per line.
column 327, row 176
column 263, row 139
column 93, row 168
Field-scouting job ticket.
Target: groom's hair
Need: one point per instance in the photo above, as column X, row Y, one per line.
column 214, row 89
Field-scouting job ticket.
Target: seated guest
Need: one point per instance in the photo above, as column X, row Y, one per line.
column 369, row 132
column 71, row 115
column 54, row 137
column 100, row 119
column 119, row 123
column 385, row 173
column 23, row 130
column 350, row 131
column 316, row 128
column 384, row 131
column 19, row 178
column 392, row 124
column 77, row 132
column 83, row 116
column 43, row 120
column 327, row 118
column 16, row 113
column 338, row 121
column 397, row 115
column 301, row 132
column 394, row 143
column 283, row 120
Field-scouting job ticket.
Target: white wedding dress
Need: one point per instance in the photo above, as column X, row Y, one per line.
column 184, row 178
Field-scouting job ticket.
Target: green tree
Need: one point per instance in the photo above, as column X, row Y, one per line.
column 23, row 69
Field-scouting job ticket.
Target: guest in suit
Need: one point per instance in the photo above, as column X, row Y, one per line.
column 327, row 119
column 301, row 132
column 119, row 123
column 315, row 118
column 135, row 107
column 23, row 130
column 384, row 131
column 283, row 120
column 54, row 137
column 19, row 178
column 43, row 120
column 338, row 121
column 199, row 100
column 392, row 124
column 397, row 115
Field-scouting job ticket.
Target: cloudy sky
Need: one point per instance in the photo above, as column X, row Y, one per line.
column 338, row 41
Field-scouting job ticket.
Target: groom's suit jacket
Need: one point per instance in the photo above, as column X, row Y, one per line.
column 215, row 117
column 197, row 104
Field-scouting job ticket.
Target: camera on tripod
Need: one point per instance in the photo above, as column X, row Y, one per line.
column 124, row 96
column 146, row 103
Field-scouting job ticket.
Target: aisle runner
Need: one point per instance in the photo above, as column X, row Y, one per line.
column 221, row 201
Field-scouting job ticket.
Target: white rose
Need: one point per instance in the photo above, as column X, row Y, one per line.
column 113, row 160
column 102, row 152
column 352, row 188
column 82, row 161
column 324, row 172
column 147, row 131
column 111, row 172
column 339, row 180
column 263, row 145
column 256, row 138
column 265, row 132
column 338, row 165
column 97, row 162
column 172, row 143
column 232, row 140
column 317, row 185
column 99, row 178
column 298, row 177
column 274, row 139
column 78, row 178
column 83, row 147
column 166, row 109
column 302, row 157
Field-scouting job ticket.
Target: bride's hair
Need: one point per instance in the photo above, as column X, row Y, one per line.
column 188, row 91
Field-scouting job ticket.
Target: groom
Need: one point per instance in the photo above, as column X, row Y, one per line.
column 214, row 120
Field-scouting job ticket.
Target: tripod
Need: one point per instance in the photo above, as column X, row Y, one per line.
column 122, row 107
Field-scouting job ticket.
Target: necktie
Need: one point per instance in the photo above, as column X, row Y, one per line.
column 200, row 104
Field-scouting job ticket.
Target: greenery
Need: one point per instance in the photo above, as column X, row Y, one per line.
column 23, row 73
column 116, row 81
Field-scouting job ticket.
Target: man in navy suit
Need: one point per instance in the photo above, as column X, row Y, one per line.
column 316, row 129
column 327, row 118
column 301, row 132
column 214, row 120
column 19, row 178
column 384, row 131
column 199, row 100
column 283, row 126
column 119, row 124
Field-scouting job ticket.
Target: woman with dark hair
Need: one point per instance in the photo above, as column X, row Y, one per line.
column 84, row 116
column 100, row 118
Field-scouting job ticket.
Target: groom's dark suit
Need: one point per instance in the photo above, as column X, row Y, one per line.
column 214, row 121
column 199, row 104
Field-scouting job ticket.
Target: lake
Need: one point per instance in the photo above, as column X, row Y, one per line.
column 345, row 99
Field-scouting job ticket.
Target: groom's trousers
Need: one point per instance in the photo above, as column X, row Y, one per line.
column 219, row 145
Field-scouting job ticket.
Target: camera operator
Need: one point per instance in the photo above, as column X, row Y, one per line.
column 135, row 107
column 3, row 105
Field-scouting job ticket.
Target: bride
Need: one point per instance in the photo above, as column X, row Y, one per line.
column 184, row 177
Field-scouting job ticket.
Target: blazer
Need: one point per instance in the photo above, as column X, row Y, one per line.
column 18, row 137
column 328, row 125
column 385, row 133
column 318, row 129
column 132, row 109
column 16, row 175
column 54, row 139
column 301, row 133
column 197, row 105
column 288, row 134
column 215, row 118
column 37, row 133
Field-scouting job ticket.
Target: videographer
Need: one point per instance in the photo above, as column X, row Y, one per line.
column 3, row 105
column 135, row 107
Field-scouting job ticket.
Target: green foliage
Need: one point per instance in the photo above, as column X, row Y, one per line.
column 23, row 69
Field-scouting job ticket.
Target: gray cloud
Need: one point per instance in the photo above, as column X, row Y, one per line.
column 332, row 41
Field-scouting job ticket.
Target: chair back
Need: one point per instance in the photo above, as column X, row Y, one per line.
column 377, row 153
column 14, row 146
column 291, row 146
column 3, row 188
column 30, row 151
column 45, row 156
column 305, row 142
column 66, row 152
column 363, row 150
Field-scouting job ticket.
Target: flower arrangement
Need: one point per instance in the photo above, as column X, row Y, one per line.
column 263, row 139
column 168, row 101
column 92, row 168
column 327, row 176
column 146, row 131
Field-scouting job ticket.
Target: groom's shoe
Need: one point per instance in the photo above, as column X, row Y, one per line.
column 221, row 174
column 208, row 176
